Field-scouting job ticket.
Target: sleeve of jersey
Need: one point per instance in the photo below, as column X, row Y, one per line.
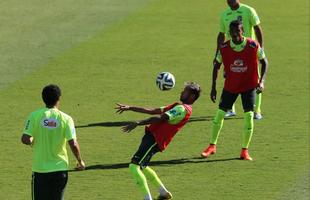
column 162, row 108
column 219, row 57
column 70, row 130
column 176, row 114
column 29, row 126
column 222, row 25
column 254, row 18
column 261, row 53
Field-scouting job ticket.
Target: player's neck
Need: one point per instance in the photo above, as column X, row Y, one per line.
column 188, row 102
column 235, row 7
column 51, row 107
column 238, row 41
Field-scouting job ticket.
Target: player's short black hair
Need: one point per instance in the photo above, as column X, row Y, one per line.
column 51, row 94
column 194, row 88
column 235, row 23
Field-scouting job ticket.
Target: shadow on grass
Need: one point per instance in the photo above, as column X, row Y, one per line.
column 124, row 123
column 106, row 124
column 158, row 163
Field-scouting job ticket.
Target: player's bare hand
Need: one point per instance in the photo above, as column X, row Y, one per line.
column 121, row 108
column 80, row 165
column 213, row 95
column 129, row 127
column 260, row 87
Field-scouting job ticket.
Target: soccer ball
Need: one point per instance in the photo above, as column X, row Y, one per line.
column 165, row 81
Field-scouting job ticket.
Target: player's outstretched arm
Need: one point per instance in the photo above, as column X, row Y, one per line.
column 122, row 107
column 151, row 120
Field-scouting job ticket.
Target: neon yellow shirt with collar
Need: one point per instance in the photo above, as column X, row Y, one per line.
column 51, row 129
column 245, row 13
column 239, row 47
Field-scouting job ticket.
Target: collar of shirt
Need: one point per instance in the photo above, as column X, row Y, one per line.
column 238, row 47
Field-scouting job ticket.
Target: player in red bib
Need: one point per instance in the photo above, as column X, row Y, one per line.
column 158, row 134
column 240, row 57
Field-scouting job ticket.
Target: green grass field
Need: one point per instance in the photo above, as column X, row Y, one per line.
column 103, row 52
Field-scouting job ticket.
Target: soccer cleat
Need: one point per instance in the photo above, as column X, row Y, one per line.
column 245, row 155
column 230, row 113
column 210, row 150
column 168, row 195
column 258, row 116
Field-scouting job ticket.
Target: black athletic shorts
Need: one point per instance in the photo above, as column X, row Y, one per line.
column 49, row 186
column 147, row 149
column 228, row 99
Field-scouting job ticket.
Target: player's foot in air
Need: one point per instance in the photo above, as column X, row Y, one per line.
column 210, row 150
column 168, row 195
column 258, row 116
column 244, row 155
column 230, row 113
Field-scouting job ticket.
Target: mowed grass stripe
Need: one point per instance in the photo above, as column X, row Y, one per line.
column 34, row 32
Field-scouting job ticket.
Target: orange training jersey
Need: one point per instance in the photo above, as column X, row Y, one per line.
column 164, row 132
column 241, row 68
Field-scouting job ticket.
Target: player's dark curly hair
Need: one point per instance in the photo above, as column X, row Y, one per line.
column 50, row 95
column 235, row 23
column 194, row 88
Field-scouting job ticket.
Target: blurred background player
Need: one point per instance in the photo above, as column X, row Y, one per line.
column 162, row 128
column 250, row 20
column 240, row 57
column 47, row 131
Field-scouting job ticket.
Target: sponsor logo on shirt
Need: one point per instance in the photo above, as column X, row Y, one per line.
column 174, row 112
column 50, row 123
column 238, row 66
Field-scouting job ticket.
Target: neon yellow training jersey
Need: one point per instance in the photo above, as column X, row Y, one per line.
column 246, row 14
column 50, row 129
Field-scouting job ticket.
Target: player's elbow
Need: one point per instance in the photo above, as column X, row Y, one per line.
column 264, row 63
column 25, row 139
column 73, row 143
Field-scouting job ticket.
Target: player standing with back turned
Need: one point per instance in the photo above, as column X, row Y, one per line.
column 47, row 131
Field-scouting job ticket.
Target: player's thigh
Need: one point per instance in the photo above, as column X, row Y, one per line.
column 147, row 149
column 227, row 100
column 40, row 186
column 248, row 100
column 58, row 182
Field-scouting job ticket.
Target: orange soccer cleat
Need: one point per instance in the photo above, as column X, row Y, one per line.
column 210, row 150
column 168, row 195
column 244, row 155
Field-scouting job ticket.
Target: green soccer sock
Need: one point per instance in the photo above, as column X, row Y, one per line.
column 140, row 179
column 258, row 103
column 233, row 109
column 152, row 176
column 248, row 129
column 217, row 125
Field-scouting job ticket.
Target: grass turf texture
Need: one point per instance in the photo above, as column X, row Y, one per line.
column 111, row 52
